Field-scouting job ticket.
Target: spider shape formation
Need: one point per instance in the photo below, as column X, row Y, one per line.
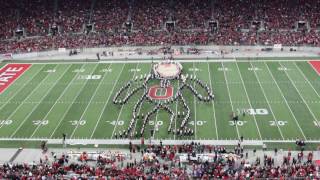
column 162, row 76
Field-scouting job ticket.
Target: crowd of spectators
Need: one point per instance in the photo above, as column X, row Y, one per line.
column 109, row 16
column 149, row 15
column 162, row 162
column 236, row 22
column 192, row 15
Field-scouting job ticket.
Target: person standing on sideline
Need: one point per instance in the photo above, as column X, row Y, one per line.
column 64, row 136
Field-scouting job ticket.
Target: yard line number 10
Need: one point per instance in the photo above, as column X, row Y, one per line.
column 253, row 111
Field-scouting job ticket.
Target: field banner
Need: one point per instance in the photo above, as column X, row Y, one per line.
column 9, row 73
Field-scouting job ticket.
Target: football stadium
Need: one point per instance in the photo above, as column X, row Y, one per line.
column 173, row 89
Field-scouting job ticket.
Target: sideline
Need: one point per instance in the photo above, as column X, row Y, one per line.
column 106, row 61
column 156, row 141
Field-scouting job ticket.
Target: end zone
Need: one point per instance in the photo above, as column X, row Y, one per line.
column 9, row 73
column 315, row 64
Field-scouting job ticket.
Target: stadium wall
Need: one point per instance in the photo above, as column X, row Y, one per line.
column 143, row 52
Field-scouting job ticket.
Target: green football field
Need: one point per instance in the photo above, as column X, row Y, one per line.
column 280, row 99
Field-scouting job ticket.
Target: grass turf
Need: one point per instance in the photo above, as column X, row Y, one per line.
column 76, row 99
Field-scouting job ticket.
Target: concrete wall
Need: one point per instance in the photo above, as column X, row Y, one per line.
column 130, row 52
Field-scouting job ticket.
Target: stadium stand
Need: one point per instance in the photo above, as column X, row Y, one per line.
column 41, row 25
column 114, row 23
column 166, row 162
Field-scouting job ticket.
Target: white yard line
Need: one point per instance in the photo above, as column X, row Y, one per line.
column 25, row 83
column 175, row 119
column 67, row 110
column 12, row 96
column 135, row 124
column 294, row 85
column 63, row 92
column 245, row 90
column 35, row 107
column 155, row 124
column 294, row 117
column 265, row 96
column 90, row 101
column 195, row 105
column 232, row 107
column 156, row 120
column 106, row 102
column 17, row 108
column 213, row 108
column 115, row 127
column 305, row 78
